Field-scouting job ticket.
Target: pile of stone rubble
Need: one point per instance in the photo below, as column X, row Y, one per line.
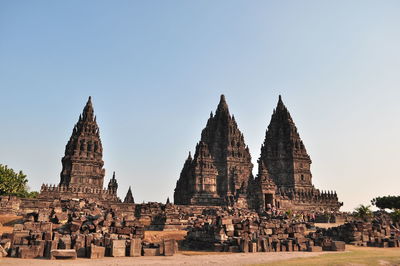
column 80, row 229
column 255, row 234
column 380, row 232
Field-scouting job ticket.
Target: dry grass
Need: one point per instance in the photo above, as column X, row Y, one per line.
column 158, row 236
column 353, row 256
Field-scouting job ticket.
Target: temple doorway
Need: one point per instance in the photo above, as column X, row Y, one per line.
column 269, row 200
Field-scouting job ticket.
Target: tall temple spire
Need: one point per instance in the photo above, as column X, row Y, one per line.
column 283, row 151
column 228, row 154
column 82, row 162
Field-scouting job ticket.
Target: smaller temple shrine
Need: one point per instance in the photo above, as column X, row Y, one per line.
column 82, row 174
column 129, row 196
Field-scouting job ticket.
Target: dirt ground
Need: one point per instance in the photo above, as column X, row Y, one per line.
column 191, row 258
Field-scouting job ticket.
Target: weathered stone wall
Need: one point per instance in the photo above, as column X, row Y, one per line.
column 9, row 204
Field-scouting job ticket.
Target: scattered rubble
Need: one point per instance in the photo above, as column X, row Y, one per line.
column 380, row 232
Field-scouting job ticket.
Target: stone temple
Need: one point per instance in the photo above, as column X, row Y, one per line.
column 82, row 174
column 220, row 173
column 221, row 168
column 284, row 177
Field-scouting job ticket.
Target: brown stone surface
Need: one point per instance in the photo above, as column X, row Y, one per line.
column 221, row 168
column 96, row 252
column 135, row 247
column 118, row 248
column 169, row 247
column 151, row 252
column 63, row 254
column 220, row 173
column 129, row 196
column 284, row 179
column 83, row 162
column 82, row 174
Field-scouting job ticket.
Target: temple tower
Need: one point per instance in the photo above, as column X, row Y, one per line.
column 229, row 151
column 82, row 164
column 283, row 152
column 221, row 166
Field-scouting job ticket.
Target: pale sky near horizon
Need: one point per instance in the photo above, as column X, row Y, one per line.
column 156, row 69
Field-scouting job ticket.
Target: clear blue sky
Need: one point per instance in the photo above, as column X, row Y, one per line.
column 155, row 70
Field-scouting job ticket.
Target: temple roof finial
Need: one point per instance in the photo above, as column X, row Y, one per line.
column 222, row 106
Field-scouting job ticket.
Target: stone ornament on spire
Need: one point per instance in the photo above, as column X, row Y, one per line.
column 113, row 184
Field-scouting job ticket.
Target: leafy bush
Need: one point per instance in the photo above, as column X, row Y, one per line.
column 363, row 211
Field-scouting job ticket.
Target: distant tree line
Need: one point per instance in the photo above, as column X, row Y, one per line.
column 387, row 202
column 14, row 184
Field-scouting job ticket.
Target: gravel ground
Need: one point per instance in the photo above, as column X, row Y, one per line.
column 178, row 259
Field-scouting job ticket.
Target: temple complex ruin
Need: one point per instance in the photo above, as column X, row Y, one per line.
column 218, row 204
column 220, row 173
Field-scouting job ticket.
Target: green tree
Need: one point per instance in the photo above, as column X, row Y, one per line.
column 12, row 183
column 387, row 202
column 363, row 212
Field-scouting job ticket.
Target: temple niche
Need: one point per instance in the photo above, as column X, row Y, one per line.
column 221, row 169
column 82, row 174
column 285, row 163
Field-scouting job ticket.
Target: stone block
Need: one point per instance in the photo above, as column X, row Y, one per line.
column 234, row 249
column 136, row 247
column 49, row 246
column 151, row 252
column 29, row 252
column 338, row 246
column 18, row 227
column 118, row 248
column 314, row 249
column 3, row 252
column 63, row 254
column 96, row 252
column 252, row 247
column 20, row 237
column 64, row 242
column 40, row 245
column 244, row 245
column 169, row 247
